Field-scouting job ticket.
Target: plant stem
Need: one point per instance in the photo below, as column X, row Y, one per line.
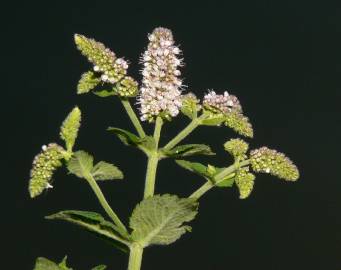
column 93, row 184
column 202, row 190
column 184, row 133
column 153, row 159
column 217, row 179
column 133, row 117
column 135, row 257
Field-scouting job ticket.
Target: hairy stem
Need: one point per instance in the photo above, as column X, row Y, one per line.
column 135, row 257
column 133, row 117
column 92, row 182
column 217, row 179
column 153, row 159
column 184, row 133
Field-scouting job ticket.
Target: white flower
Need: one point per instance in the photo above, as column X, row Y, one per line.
column 161, row 88
column 222, row 103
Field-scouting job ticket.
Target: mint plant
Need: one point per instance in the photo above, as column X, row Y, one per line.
column 163, row 218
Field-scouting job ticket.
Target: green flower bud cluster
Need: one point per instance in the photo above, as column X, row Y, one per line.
column 87, row 82
column 237, row 148
column 190, row 105
column 127, row 87
column 112, row 69
column 270, row 161
column 245, row 182
column 44, row 165
column 70, row 127
column 240, row 123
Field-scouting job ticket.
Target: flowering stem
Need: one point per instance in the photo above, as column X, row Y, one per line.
column 217, row 179
column 133, row 117
column 93, row 184
column 135, row 257
column 184, row 133
column 153, row 159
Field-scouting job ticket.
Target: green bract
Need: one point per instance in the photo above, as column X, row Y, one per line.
column 87, row 82
column 70, row 127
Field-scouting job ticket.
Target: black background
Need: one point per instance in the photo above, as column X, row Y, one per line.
column 281, row 58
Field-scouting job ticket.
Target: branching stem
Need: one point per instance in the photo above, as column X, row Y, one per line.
column 133, row 117
column 93, row 184
column 184, row 133
column 217, row 179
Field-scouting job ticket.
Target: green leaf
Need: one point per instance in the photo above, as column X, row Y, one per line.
column 70, row 127
column 93, row 222
column 145, row 144
column 188, row 150
column 87, row 82
column 213, row 119
column 81, row 164
column 105, row 93
column 195, row 167
column 45, row 264
column 106, row 171
column 159, row 220
column 100, row 267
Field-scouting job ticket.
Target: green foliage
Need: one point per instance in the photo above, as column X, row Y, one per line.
column 81, row 165
column 105, row 93
column 45, row 264
column 106, row 171
column 43, row 167
column 70, row 127
column 146, row 144
column 87, row 82
column 270, row 161
column 93, row 222
column 196, row 167
column 100, row 267
column 188, row 150
column 212, row 119
column 159, row 220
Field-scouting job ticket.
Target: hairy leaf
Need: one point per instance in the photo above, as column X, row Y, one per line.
column 87, row 82
column 189, row 150
column 212, row 119
column 81, row 164
column 159, row 220
column 105, row 93
column 45, row 264
column 70, row 127
column 92, row 222
column 100, row 267
column 145, row 144
column 106, row 171
column 195, row 167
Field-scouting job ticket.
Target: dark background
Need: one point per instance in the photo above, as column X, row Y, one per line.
column 281, row 58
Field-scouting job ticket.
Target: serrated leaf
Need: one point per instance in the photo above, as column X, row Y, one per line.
column 105, row 93
column 87, row 82
column 195, row 167
column 80, row 164
column 45, row 264
column 159, row 220
column 93, row 222
column 100, row 267
column 70, row 127
column 145, row 144
column 189, row 150
column 106, row 171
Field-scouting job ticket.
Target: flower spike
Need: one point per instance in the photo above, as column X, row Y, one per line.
column 44, row 165
column 161, row 89
column 270, row 161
